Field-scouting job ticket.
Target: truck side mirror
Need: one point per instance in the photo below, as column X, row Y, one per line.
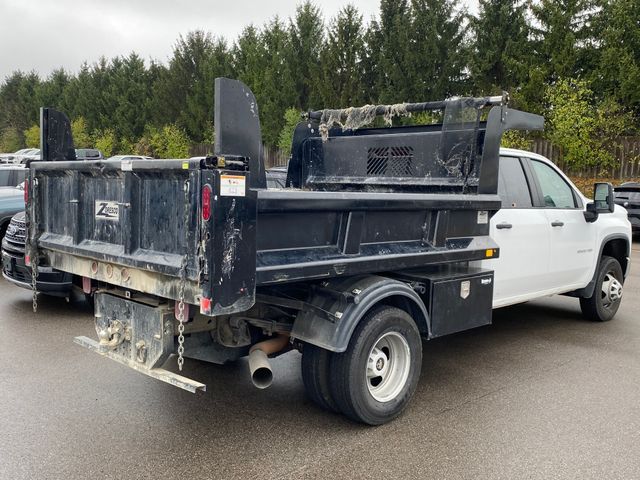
column 603, row 197
column 602, row 202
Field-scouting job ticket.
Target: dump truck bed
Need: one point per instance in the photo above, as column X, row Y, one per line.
column 133, row 224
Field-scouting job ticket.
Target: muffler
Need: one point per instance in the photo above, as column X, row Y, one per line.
column 259, row 366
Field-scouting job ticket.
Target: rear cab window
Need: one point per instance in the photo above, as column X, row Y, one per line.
column 513, row 188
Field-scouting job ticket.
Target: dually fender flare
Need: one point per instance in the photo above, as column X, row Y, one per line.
column 587, row 291
column 336, row 307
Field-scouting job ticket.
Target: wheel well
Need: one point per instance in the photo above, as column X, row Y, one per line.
column 617, row 248
column 409, row 306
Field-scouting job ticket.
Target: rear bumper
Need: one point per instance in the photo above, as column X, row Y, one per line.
column 161, row 374
column 142, row 337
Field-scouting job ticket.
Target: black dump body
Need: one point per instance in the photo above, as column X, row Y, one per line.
column 369, row 200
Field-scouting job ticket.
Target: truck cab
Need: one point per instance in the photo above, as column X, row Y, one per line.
column 547, row 244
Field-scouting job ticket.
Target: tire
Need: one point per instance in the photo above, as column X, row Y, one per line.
column 607, row 295
column 316, row 376
column 385, row 338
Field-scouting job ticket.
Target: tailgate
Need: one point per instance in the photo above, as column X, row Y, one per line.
column 141, row 214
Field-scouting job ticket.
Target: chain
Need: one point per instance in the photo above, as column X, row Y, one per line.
column 34, row 279
column 183, row 281
column 33, row 250
column 181, row 319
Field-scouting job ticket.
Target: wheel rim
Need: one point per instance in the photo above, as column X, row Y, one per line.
column 388, row 367
column 611, row 291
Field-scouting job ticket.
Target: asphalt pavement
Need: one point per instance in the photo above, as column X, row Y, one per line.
column 541, row 393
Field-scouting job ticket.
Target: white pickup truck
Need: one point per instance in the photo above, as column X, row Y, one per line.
column 551, row 243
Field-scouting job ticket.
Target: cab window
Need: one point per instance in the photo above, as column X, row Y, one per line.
column 556, row 192
column 513, row 188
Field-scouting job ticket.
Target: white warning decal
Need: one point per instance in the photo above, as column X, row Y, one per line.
column 107, row 210
column 483, row 217
column 232, row 185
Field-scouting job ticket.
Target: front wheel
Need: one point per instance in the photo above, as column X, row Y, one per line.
column 374, row 379
column 607, row 296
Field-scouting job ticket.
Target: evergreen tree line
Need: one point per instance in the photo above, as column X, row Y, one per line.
column 575, row 61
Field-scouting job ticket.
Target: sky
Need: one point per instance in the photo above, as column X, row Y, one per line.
column 43, row 35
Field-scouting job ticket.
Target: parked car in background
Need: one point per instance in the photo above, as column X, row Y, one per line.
column 49, row 280
column 20, row 155
column 88, row 154
column 628, row 195
column 129, row 157
column 277, row 177
column 11, row 202
column 12, row 175
column 34, row 155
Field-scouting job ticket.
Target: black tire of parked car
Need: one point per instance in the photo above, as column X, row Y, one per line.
column 596, row 307
column 350, row 385
column 316, row 376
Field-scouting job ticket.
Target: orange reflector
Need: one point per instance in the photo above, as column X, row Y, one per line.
column 489, row 253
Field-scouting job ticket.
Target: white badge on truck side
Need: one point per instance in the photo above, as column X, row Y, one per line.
column 483, row 217
column 107, row 210
column 232, row 185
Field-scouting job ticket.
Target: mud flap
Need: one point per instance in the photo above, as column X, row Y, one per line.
column 137, row 335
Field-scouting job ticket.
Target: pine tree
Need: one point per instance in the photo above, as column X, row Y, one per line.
column 306, row 31
column 129, row 90
column 396, row 71
column 341, row 58
column 617, row 66
column 183, row 93
column 51, row 92
column 561, row 27
column 19, row 103
column 501, row 53
column 437, row 49
column 247, row 55
column 275, row 87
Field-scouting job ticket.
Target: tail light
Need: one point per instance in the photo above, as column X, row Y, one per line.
column 206, row 202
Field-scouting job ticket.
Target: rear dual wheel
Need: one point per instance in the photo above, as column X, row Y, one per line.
column 374, row 379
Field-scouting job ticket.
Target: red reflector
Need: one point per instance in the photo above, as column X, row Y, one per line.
column 27, row 260
column 206, row 202
column 205, row 306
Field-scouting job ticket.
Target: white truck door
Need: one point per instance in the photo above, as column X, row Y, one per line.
column 572, row 238
column 522, row 232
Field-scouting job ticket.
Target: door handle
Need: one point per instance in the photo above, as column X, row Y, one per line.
column 557, row 224
column 504, row 226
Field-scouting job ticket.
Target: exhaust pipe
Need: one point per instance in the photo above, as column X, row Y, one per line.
column 259, row 366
